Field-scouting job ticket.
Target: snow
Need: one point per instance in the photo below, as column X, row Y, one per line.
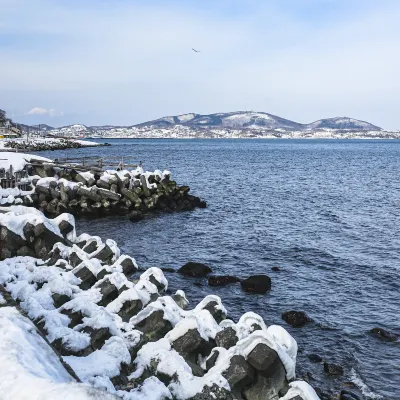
column 17, row 217
column 103, row 362
column 29, row 368
column 33, row 283
column 302, row 389
column 18, row 160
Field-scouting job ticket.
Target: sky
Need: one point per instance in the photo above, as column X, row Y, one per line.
column 122, row 62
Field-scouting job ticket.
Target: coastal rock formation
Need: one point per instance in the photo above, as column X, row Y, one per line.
column 42, row 144
column 56, row 189
column 119, row 332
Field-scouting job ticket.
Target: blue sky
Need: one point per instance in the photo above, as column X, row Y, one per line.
column 124, row 61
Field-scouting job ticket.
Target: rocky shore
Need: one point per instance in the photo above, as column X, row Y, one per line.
column 95, row 192
column 121, row 331
column 42, row 144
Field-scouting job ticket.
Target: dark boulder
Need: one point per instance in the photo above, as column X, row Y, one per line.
column 222, row 280
column 314, row 358
column 128, row 267
column 239, row 374
column 383, row 334
column 226, row 338
column 65, row 227
column 347, row 395
column 256, row 284
column 135, row 216
column 275, row 269
column 333, row 369
column 195, row 269
column 296, row 319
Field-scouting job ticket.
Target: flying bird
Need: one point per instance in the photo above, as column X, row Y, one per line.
column 196, row 51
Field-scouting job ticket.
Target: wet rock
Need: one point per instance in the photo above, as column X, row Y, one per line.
column 256, row 284
column 195, row 269
column 383, row 334
column 296, row 319
column 333, row 369
column 166, row 269
column 275, row 269
column 135, row 216
column 314, row 358
column 347, row 395
column 222, row 280
column 226, row 338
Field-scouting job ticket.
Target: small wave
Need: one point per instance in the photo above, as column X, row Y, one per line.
column 365, row 390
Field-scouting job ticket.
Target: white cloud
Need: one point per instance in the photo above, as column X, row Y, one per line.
column 42, row 111
column 37, row 111
column 126, row 62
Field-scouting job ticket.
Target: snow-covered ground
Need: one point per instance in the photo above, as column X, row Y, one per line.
column 29, row 368
column 44, row 143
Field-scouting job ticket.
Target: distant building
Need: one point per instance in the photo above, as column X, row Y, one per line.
column 9, row 130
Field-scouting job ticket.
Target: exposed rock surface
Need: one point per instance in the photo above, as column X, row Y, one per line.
column 257, row 284
column 384, row 334
column 296, row 319
column 195, row 269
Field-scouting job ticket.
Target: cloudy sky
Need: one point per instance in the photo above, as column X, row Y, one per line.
column 123, row 62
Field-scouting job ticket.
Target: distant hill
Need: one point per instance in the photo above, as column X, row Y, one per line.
column 240, row 124
column 343, row 123
column 256, row 120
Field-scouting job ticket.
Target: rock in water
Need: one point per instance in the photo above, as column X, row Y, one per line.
column 383, row 334
column 257, row 284
column 135, row 216
column 297, row 319
column 333, row 369
column 347, row 395
column 222, row 280
column 195, row 269
column 314, row 358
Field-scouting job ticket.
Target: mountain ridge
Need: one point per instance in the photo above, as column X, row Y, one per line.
column 237, row 124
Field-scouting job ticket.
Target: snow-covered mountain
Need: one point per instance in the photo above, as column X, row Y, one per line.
column 241, row 124
column 343, row 123
column 235, row 120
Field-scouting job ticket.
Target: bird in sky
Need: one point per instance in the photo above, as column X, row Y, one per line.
column 196, row 51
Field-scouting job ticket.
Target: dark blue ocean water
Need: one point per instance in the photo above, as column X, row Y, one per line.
column 325, row 211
